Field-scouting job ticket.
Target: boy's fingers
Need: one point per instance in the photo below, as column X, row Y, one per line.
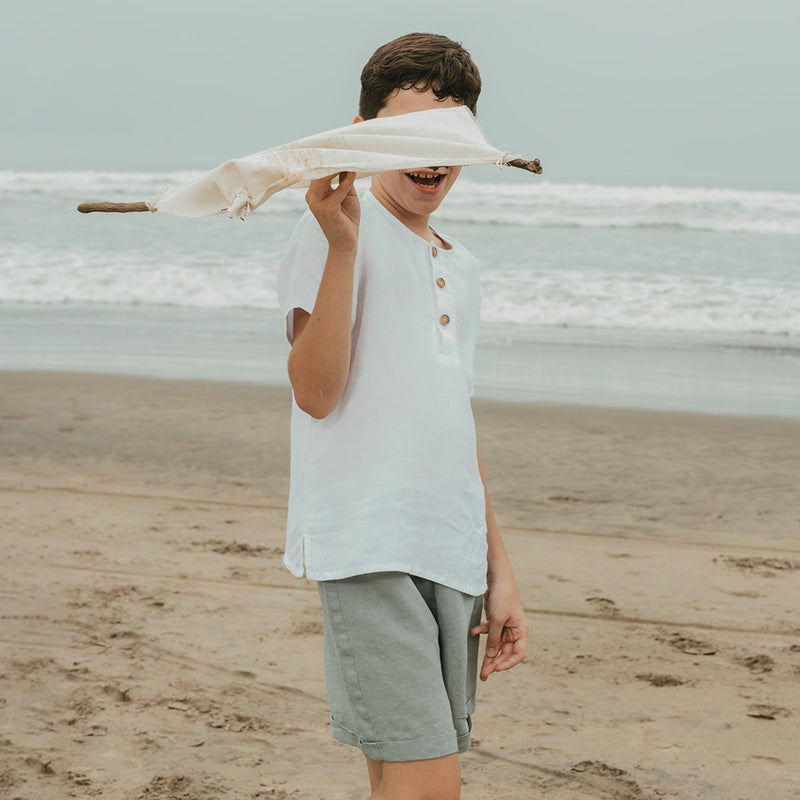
column 321, row 191
column 344, row 185
column 322, row 188
column 500, row 655
column 512, row 654
column 346, row 181
column 493, row 642
column 507, row 655
column 488, row 667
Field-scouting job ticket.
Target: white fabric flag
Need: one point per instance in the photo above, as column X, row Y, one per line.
column 438, row 137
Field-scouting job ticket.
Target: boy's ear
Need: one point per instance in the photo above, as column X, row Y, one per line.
column 358, row 119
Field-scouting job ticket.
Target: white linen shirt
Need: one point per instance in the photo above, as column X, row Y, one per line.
column 389, row 480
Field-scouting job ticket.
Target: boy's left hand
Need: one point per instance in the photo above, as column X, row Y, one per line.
column 506, row 627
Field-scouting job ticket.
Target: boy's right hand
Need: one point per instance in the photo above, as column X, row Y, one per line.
column 337, row 210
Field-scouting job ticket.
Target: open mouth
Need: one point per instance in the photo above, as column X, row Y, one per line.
column 426, row 180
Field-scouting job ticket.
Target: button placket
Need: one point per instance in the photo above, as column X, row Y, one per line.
column 445, row 318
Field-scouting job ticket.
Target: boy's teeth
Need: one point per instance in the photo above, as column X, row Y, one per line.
column 423, row 177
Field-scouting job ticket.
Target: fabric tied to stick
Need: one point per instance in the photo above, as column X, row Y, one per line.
column 437, row 137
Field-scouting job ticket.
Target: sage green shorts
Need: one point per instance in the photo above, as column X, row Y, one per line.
column 400, row 665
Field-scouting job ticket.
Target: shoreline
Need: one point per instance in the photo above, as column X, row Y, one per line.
column 278, row 388
column 743, row 376
column 155, row 646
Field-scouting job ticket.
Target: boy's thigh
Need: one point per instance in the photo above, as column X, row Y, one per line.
column 399, row 665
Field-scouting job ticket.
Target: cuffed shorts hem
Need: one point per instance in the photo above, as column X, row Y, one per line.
column 410, row 750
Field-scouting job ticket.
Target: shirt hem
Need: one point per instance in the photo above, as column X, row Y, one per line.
column 472, row 588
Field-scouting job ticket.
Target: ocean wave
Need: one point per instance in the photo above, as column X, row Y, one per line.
column 579, row 298
column 30, row 275
column 634, row 301
column 544, row 204
column 537, row 203
column 125, row 184
column 643, row 281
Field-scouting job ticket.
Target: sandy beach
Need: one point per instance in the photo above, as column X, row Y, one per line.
column 153, row 646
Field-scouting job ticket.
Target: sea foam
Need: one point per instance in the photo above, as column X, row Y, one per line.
column 556, row 255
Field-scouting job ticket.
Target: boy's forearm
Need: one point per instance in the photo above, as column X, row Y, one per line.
column 499, row 566
column 505, row 626
column 319, row 362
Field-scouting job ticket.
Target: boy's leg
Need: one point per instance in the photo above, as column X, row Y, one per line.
column 430, row 779
column 375, row 770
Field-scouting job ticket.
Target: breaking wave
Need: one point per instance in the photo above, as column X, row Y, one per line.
column 536, row 203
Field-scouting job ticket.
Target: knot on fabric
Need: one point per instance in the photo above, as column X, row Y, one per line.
column 503, row 160
column 240, row 205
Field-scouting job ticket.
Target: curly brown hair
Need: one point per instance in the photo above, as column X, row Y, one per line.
column 421, row 60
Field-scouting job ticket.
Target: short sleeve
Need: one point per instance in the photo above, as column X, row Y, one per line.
column 300, row 270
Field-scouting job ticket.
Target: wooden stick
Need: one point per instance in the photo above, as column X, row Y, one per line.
column 121, row 208
column 534, row 166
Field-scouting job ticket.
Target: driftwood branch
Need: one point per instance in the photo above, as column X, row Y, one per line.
column 120, row 208
column 534, row 166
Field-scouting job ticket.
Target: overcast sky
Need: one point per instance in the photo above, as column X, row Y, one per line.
column 687, row 92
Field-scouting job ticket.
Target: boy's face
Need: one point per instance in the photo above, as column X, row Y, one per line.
column 420, row 192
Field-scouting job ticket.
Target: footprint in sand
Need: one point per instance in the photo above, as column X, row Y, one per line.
column 761, row 663
column 120, row 695
column 236, row 548
column 604, row 606
column 661, row 680
column 310, row 628
column 8, row 780
column 692, row 647
column 762, row 566
column 765, row 711
column 167, row 786
column 610, row 778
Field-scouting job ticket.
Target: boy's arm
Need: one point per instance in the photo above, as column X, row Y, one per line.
column 505, row 619
column 319, row 362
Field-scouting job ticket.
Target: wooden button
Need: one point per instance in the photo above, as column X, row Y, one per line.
column 440, row 283
column 444, row 319
column 435, row 251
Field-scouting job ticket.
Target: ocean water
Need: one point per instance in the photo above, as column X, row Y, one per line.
column 651, row 297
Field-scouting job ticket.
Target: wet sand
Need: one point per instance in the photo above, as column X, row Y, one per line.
column 153, row 647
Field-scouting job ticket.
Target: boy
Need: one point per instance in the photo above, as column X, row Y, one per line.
column 388, row 508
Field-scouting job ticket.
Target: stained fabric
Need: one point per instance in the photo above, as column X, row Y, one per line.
column 436, row 137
